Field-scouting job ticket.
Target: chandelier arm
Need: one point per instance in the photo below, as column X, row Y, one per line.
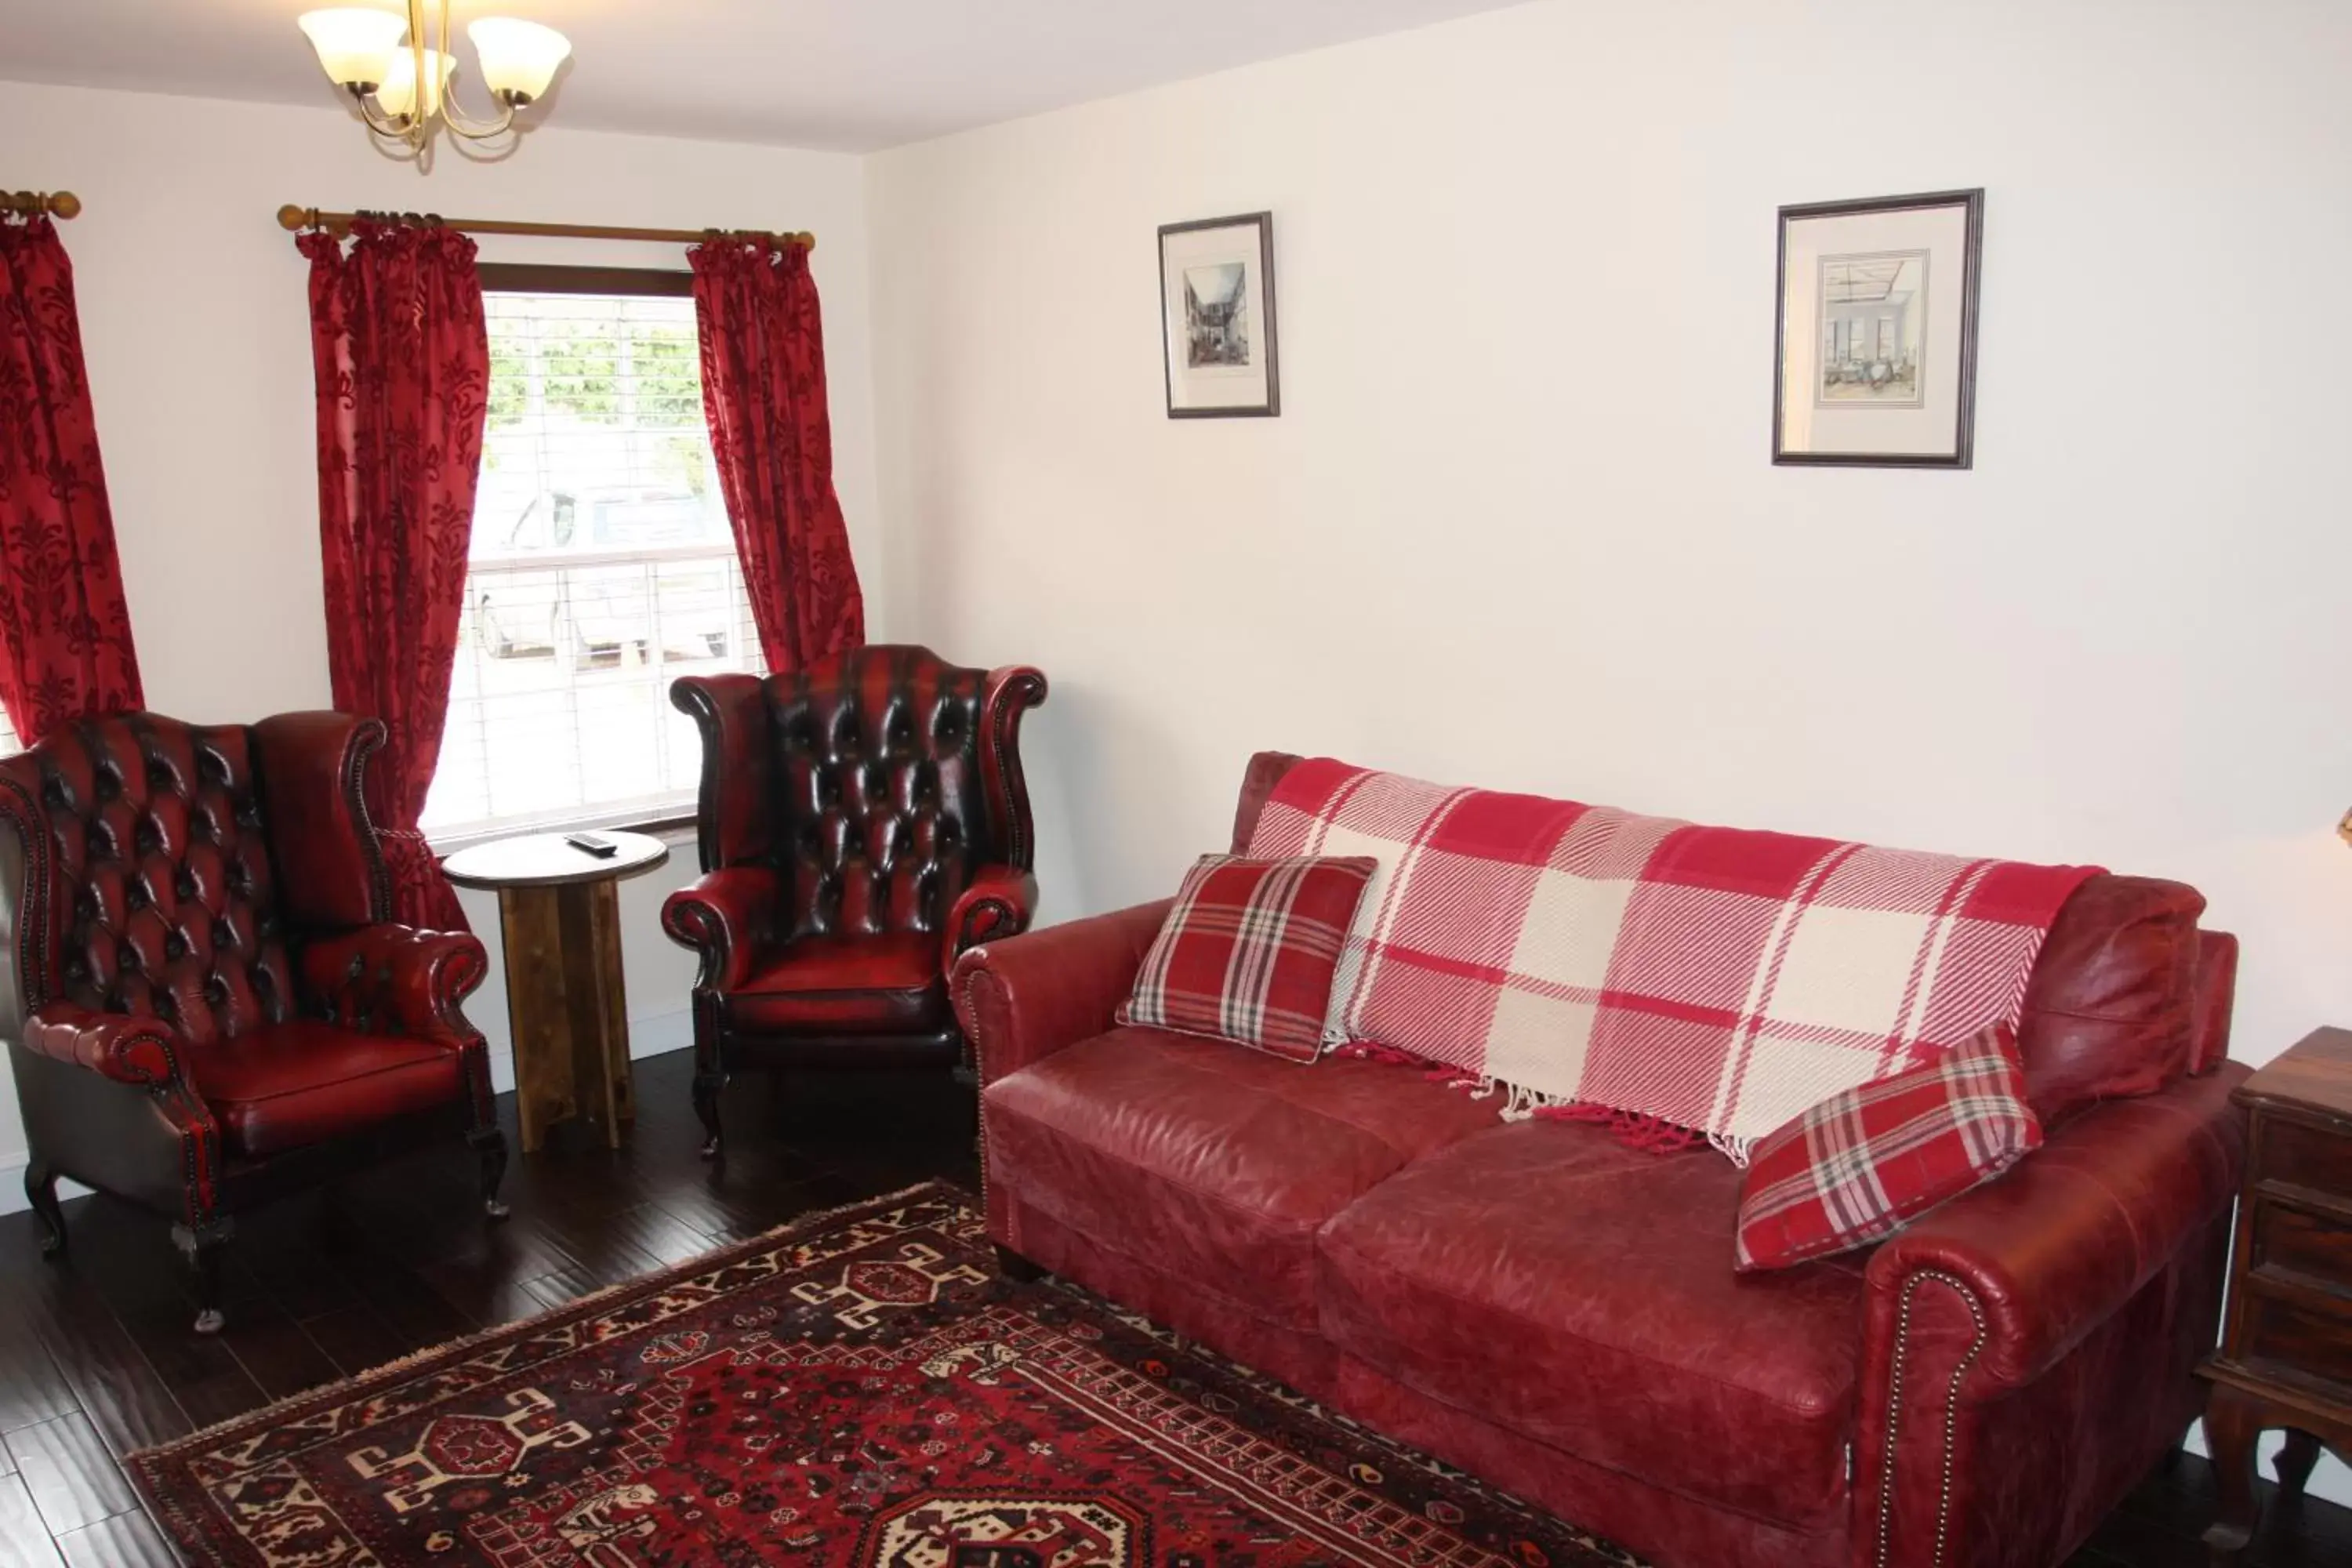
column 390, row 127
column 427, row 92
column 463, row 124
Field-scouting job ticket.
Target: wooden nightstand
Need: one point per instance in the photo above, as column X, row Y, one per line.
column 2286, row 1346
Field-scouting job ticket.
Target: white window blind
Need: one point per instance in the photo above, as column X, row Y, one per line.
column 602, row 568
column 9, row 744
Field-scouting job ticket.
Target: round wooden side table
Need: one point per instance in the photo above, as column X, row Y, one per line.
column 559, row 914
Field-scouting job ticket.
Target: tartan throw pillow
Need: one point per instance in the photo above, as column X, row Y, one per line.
column 1248, row 951
column 1861, row 1165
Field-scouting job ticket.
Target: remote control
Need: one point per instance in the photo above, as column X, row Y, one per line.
column 595, row 844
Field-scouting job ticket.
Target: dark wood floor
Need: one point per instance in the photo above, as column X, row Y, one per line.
column 97, row 1357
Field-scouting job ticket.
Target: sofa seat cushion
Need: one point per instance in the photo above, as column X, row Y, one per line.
column 286, row 1086
column 889, row 984
column 1214, row 1162
column 1556, row 1283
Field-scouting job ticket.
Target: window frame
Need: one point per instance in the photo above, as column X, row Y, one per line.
column 549, row 278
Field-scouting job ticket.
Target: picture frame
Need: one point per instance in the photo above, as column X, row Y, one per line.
column 1874, row 335
column 1217, row 331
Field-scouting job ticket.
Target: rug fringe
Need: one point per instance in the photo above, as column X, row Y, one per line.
column 659, row 1279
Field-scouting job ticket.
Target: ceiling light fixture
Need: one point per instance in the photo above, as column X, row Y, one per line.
column 380, row 58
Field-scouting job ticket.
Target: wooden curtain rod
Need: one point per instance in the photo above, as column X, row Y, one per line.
column 56, row 204
column 294, row 219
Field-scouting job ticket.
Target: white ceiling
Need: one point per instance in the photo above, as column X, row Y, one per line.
column 850, row 74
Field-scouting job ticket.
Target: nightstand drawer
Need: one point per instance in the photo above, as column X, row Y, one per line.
column 2305, row 1156
column 2314, row 1248
column 2308, row 1340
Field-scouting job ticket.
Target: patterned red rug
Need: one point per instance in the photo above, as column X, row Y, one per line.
column 859, row 1388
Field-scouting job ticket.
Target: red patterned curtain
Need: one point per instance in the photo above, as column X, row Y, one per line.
column 763, row 394
column 403, row 368
column 64, row 635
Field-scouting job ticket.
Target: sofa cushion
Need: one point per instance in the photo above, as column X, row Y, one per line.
column 1247, row 952
column 2110, row 1009
column 1216, row 1162
column 1860, row 1165
column 286, row 1086
column 1552, row 1281
column 884, row 984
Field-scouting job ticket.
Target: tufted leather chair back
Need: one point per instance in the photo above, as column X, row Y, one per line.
column 877, row 792
column 874, row 782
column 143, row 839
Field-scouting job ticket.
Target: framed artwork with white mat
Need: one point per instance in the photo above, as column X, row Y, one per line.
column 1874, row 354
column 1216, row 312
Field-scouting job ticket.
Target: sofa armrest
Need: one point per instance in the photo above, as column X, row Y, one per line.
column 1024, row 998
column 2052, row 1248
column 2074, row 1295
column 395, row 979
column 128, row 1050
column 729, row 917
column 999, row 902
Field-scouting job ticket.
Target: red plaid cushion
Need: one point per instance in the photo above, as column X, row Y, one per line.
column 1247, row 953
column 1862, row 1164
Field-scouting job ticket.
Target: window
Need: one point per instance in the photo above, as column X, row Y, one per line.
column 9, row 744
column 602, row 565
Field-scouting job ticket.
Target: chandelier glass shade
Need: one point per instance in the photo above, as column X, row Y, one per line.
column 380, row 57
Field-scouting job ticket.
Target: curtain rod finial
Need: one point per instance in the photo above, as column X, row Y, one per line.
column 293, row 219
column 65, row 204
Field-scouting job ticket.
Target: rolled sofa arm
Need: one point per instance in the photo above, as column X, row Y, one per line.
column 1022, row 999
column 1970, row 1316
column 999, row 902
column 726, row 916
column 128, row 1049
column 398, row 979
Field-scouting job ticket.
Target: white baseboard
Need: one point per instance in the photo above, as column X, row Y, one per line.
column 12, row 1185
column 649, row 1035
column 2332, row 1480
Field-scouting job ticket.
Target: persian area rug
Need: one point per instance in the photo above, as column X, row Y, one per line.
column 858, row 1388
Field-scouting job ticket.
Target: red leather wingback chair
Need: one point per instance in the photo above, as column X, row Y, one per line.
column 204, row 1001
column 862, row 822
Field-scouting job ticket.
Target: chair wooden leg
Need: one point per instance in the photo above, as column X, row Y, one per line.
column 202, row 1247
column 41, row 1192
column 1014, row 1267
column 490, row 1146
column 707, row 1086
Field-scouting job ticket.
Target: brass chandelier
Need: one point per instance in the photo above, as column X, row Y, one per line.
column 401, row 79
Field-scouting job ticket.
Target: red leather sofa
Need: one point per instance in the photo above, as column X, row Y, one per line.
column 1558, row 1314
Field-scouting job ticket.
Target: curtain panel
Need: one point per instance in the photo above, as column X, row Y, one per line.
column 66, row 650
column 403, row 364
column 762, row 342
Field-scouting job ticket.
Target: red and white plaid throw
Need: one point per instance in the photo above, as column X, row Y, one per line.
column 1863, row 1164
column 1710, row 978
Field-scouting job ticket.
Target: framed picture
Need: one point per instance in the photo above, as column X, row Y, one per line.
column 1874, row 361
column 1216, row 314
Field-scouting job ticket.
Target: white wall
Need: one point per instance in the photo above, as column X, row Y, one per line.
column 195, row 322
column 1516, row 524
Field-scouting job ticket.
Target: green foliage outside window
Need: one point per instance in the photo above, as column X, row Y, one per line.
column 582, row 370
